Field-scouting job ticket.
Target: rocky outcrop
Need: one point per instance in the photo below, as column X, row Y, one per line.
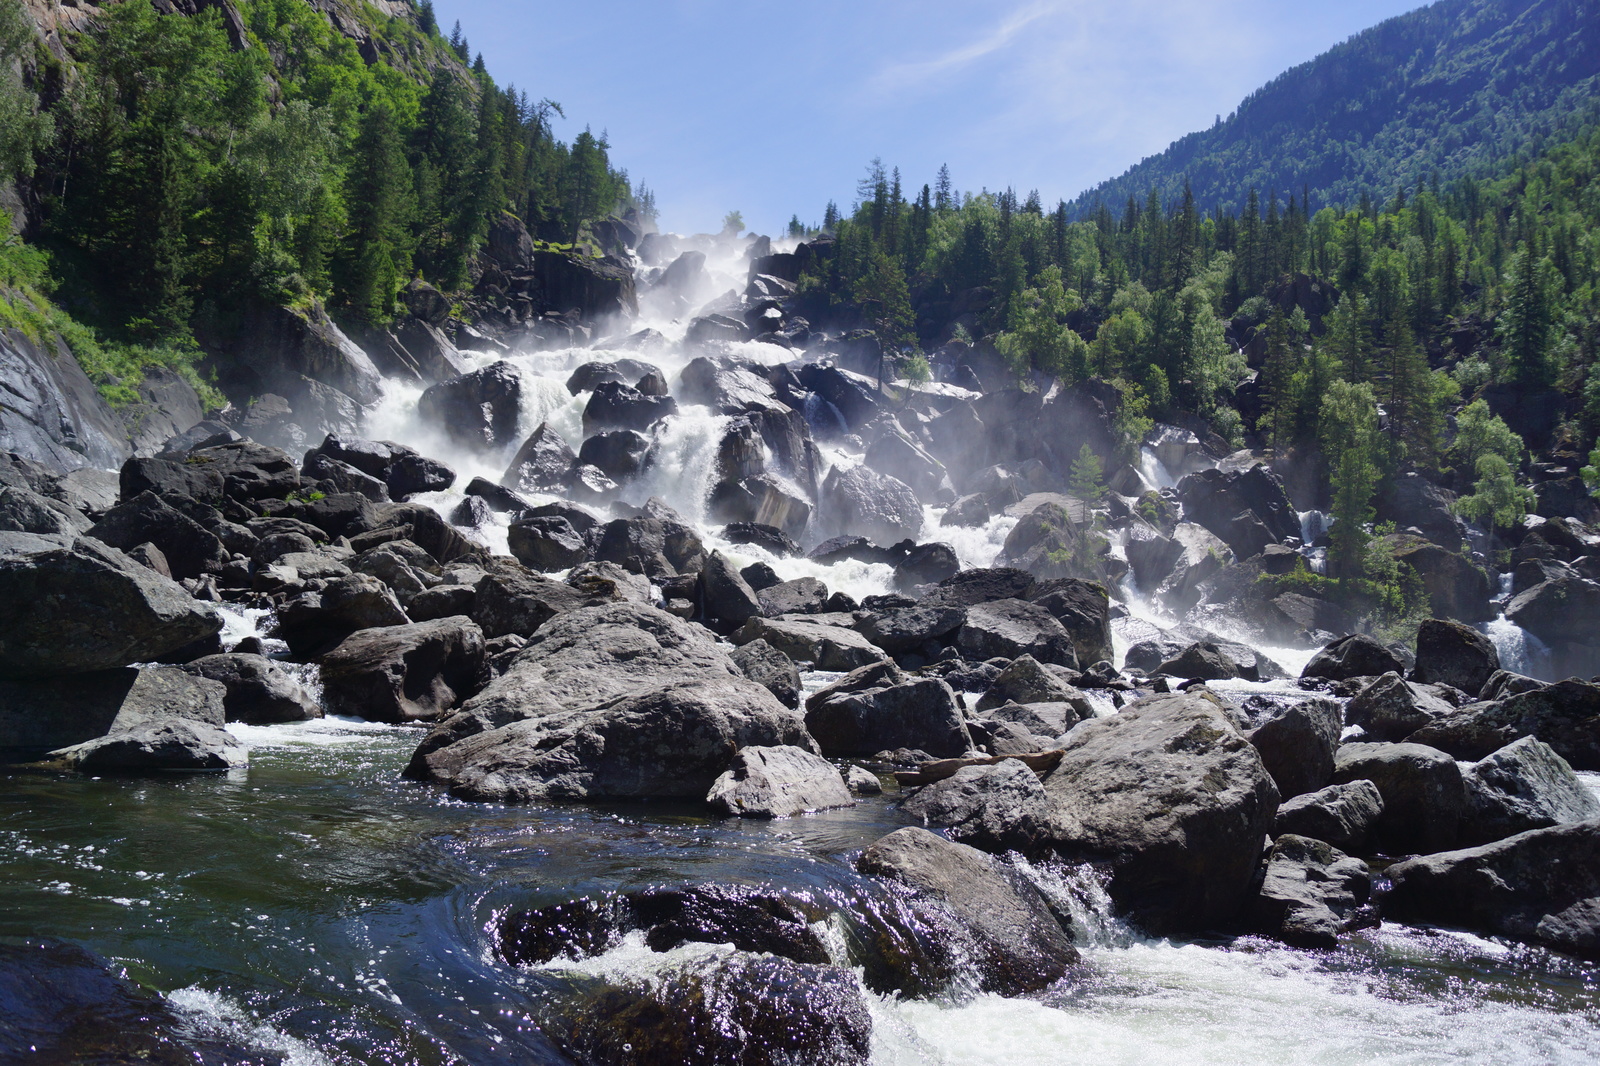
column 1176, row 800
column 778, row 782
column 1523, row 786
column 406, row 673
column 1541, row 886
column 1343, row 815
column 77, row 605
column 51, row 412
column 1017, row 945
column 1311, row 893
column 1565, row 716
column 1449, row 653
column 611, row 701
column 1352, row 656
column 258, row 690
column 1423, row 796
column 878, row 708
column 999, row 808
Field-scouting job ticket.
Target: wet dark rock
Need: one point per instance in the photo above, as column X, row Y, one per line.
column 510, row 599
column 1202, row 661
column 590, row 376
column 249, row 471
column 853, row 400
column 1084, row 610
column 760, row 577
column 1423, row 797
column 771, row 669
column 405, row 673
column 542, row 463
column 411, row 474
column 778, row 782
column 473, row 512
column 1018, row 946
column 1026, row 681
column 972, row 587
column 258, row 690
column 995, row 808
column 1356, row 655
column 1392, row 709
column 190, row 550
column 620, row 454
column 1216, row 498
column 968, row 512
column 1539, row 886
column 826, row 647
column 169, row 478
column 476, row 410
column 1456, row 587
column 1312, row 892
column 619, row 700
column 78, row 605
column 868, row 504
column 926, row 564
column 650, row 546
column 25, row 511
column 547, row 544
column 725, row 595
column 904, row 629
column 1176, row 799
column 840, row 549
column 1449, row 653
column 614, row 405
column 805, row 595
column 1525, row 785
column 1565, row 715
column 1343, row 815
column 771, row 538
column 1008, row 628
column 878, row 707
column 422, row 526
column 721, row 1011
column 153, row 746
column 1297, row 746
column 1411, row 500
column 315, row 622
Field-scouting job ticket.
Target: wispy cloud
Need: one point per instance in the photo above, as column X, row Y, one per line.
column 903, row 75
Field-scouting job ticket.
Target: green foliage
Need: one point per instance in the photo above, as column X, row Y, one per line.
column 1496, row 500
column 1349, row 422
column 1479, row 433
column 24, row 130
column 1087, row 478
column 1038, row 337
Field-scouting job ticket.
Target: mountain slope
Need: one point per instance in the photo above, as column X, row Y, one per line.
column 1458, row 88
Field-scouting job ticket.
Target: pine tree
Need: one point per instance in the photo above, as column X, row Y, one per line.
column 1278, row 377
column 427, row 20
column 1087, row 478
column 1527, row 328
column 1350, row 440
column 376, row 257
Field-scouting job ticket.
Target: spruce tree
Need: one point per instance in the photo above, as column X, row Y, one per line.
column 1350, row 441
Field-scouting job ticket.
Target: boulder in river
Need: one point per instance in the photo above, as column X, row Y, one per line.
column 826, row 647
column 1565, row 715
column 1423, row 797
column 259, row 691
column 619, row 700
column 769, row 668
column 1525, row 785
column 77, row 605
column 1176, row 799
column 1017, row 945
column 1391, row 708
column 1008, row 628
column 872, row 505
column 1542, row 885
column 1343, row 815
column 1311, row 893
column 878, row 708
column 1356, row 655
column 168, row 744
column 41, row 715
column 1027, row 681
column 405, row 673
column 1297, row 746
column 999, row 808
column 477, row 410
column 778, row 782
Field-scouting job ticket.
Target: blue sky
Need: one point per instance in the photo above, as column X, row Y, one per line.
column 775, row 109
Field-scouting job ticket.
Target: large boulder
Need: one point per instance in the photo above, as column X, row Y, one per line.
column 547, row 543
column 1311, row 893
column 1017, row 945
column 1000, row 807
column 1456, row 587
column 258, row 690
column 619, row 700
column 39, row 716
column 147, row 519
column 878, row 708
column 1565, row 614
column 1525, row 785
column 173, row 744
column 1216, row 499
column 1343, row 815
column 1006, row 629
column 614, row 405
column 1423, row 796
column 1412, row 501
column 541, row 464
column 727, row 597
column 1176, row 799
column 1542, row 885
column 862, row 502
column 1297, row 746
column 1449, row 653
column 314, row 622
column 77, row 605
column 1026, row 681
column 771, row 669
column 778, row 782
column 826, row 647
column 405, row 673
column 1356, row 655
column 1391, row 708
column 1084, row 610
column 1565, row 716
column 904, row 629
column 477, row 410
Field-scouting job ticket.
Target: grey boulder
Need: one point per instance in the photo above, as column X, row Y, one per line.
column 778, row 782
column 997, row 808
column 258, row 690
column 879, row 708
column 1525, row 785
column 1342, row 815
column 1311, row 893
column 406, row 673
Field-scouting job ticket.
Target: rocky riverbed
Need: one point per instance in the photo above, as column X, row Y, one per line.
column 686, row 697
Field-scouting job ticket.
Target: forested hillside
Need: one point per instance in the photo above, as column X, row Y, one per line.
column 182, row 163
column 1454, row 89
column 1447, row 330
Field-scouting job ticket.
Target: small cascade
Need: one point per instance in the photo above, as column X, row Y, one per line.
column 1079, row 893
column 1520, row 651
column 1154, row 471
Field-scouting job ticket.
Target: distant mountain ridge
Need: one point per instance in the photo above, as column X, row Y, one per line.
column 1459, row 88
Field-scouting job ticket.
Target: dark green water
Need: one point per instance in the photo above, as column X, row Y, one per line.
column 319, row 909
